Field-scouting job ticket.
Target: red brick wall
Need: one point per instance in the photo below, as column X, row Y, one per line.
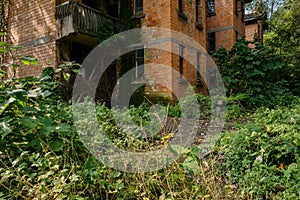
column 31, row 24
column 253, row 29
column 164, row 14
column 225, row 23
column 188, row 26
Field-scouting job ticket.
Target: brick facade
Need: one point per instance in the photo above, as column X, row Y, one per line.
column 227, row 22
column 254, row 27
column 167, row 14
column 32, row 25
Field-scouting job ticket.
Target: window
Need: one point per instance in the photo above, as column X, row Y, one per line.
column 236, row 35
column 211, row 41
column 199, row 19
column 180, row 10
column 181, row 49
column 138, row 7
column 139, row 63
column 180, row 6
column 113, row 9
column 198, row 61
column 91, row 3
column 211, row 6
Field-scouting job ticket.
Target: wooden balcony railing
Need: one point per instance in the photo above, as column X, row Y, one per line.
column 79, row 18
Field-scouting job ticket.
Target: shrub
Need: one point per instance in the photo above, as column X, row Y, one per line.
column 254, row 72
column 263, row 157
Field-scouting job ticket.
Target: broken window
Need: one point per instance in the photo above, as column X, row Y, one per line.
column 211, row 6
column 198, row 60
column 181, row 49
column 211, row 41
column 91, row 3
column 138, row 6
column 180, row 6
column 139, row 63
column 113, row 8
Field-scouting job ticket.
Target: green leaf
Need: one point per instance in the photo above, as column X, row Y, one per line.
column 67, row 76
column 5, row 129
column 2, row 108
column 257, row 62
column 46, row 94
column 28, row 123
column 57, row 145
column 28, row 60
column 3, row 44
column 178, row 149
column 191, row 165
column 3, row 50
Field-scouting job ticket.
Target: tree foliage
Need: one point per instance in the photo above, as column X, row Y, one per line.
column 284, row 38
column 264, row 7
column 263, row 157
column 254, row 72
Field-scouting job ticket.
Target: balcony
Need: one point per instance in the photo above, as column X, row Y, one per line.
column 79, row 19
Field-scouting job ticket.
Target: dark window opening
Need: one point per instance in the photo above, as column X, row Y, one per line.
column 180, row 6
column 211, row 6
column 198, row 63
column 92, row 3
column 139, row 63
column 181, row 49
column 211, row 42
column 236, row 35
column 138, row 6
column 113, row 9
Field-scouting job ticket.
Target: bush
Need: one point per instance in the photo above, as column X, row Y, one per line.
column 254, row 72
column 263, row 158
column 42, row 157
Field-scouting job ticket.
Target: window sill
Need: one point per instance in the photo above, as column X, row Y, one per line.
column 210, row 14
column 199, row 26
column 182, row 15
column 138, row 16
column 140, row 81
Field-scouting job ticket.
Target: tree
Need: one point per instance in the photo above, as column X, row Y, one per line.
column 252, row 73
column 284, row 38
column 264, row 7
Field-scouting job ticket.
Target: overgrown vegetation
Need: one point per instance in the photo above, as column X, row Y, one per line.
column 284, row 38
column 42, row 156
column 254, row 75
column 262, row 158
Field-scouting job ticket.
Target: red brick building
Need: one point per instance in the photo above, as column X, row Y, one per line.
column 225, row 22
column 62, row 30
column 254, row 27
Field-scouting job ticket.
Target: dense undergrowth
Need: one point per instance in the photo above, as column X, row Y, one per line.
column 43, row 157
column 262, row 158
